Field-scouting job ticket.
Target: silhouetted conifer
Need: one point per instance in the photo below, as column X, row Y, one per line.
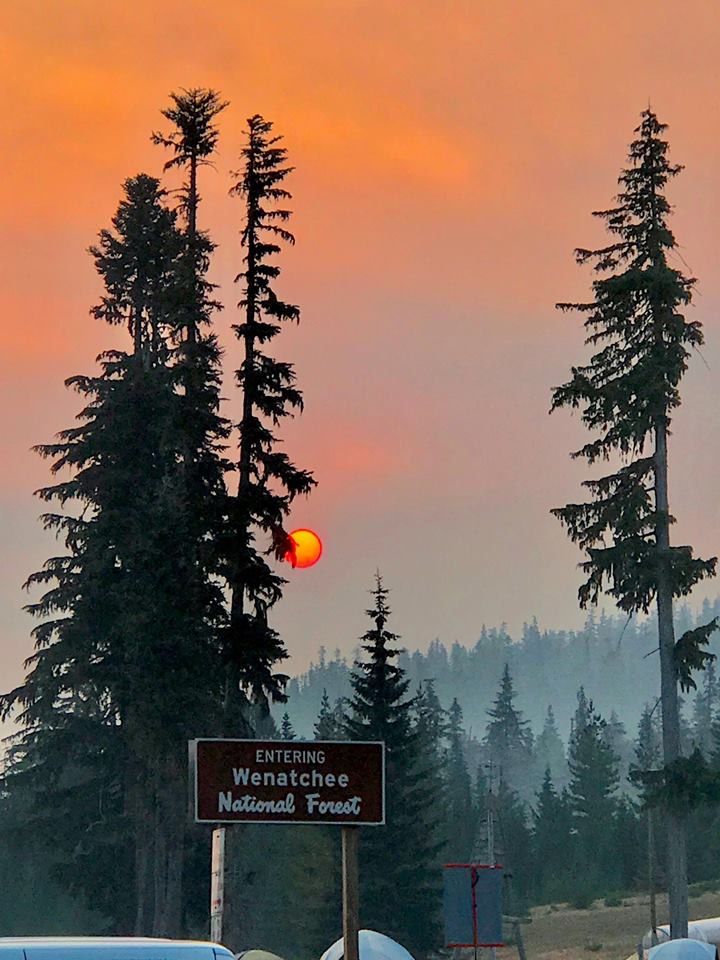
column 287, row 731
column 508, row 739
column 550, row 751
column 268, row 481
column 399, row 874
column 330, row 723
column 432, row 723
column 627, row 393
column 325, row 725
column 430, row 731
column 123, row 665
column 513, row 847
column 593, row 794
column 460, row 811
column 705, row 711
column 551, row 825
column 648, row 746
column 199, row 434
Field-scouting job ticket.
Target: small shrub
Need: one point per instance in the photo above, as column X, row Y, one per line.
column 582, row 900
column 703, row 886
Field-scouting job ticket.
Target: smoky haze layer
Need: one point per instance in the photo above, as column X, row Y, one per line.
column 613, row 659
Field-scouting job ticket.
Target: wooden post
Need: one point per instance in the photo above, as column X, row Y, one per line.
column 217, row 884
column 651, row 876
column 519, row 942
column 351, row 893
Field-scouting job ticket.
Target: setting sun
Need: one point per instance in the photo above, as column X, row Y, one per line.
column 307, row 548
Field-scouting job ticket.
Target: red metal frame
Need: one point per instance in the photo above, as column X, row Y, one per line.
column 474, row 866
column 478, row 866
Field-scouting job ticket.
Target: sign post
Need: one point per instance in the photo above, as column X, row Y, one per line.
column 217, row 884
column 351, row 893
column 290, row 781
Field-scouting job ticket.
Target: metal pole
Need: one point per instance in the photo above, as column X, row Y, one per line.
column 491, row 833
column 217, row 884
column 351, row 893
column 517, row 929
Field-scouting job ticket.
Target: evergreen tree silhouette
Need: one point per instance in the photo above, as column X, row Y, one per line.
column 593, row 795
column 550, row 751
column 551, row 825
column 430, row 730
column 648, row 747
column 705, row 711
column 287, row 731
column 268, row 481
column 627, row 393
column 508, row 739
column 460, row 811
column 399, row 874
column 330, row 723
column 124, row 667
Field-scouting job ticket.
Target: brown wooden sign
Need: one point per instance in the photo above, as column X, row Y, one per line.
column 288, row 781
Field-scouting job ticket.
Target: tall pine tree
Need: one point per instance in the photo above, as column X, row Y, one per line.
column 460, row 811
column 123, row 667
column 627, row 393
column 268, row 481
column 508, row 739
column 199, row 437
column 399, row 867
column 593, row 796
column 551, row 825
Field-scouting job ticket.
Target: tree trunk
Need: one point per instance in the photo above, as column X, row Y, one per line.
column 138, row 813
column 676, row 820
column 192, row 236
column 237, row 601
column 143, row 852
column 159, row 924
column 175, row 812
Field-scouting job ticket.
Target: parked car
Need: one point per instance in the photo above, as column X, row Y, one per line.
column 109, row 948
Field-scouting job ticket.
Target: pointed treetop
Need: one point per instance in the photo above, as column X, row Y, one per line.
column 330, row 721
column 380, row 708
column 195, row 135
column 287, row 731
column 504, row 716
column 381, row 610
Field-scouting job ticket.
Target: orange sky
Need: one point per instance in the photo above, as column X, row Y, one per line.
column 448, row 155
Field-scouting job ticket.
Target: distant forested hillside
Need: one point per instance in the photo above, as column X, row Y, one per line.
column 614, row 659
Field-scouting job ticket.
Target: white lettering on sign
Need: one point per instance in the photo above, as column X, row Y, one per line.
column 243, row 777
column 269, row 781
column 289, row 756
column 249, row 804
column 335, row 807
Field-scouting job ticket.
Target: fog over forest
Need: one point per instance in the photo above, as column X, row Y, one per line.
column 613, row 658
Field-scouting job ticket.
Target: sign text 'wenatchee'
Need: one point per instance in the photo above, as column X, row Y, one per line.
column 288, row 781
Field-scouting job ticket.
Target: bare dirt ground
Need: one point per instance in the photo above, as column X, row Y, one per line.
column 600, row 933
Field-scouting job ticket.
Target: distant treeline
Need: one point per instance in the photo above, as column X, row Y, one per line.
column 613, row 658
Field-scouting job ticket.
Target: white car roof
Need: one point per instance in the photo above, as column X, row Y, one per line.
column 110, row 941
column 103, row 946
